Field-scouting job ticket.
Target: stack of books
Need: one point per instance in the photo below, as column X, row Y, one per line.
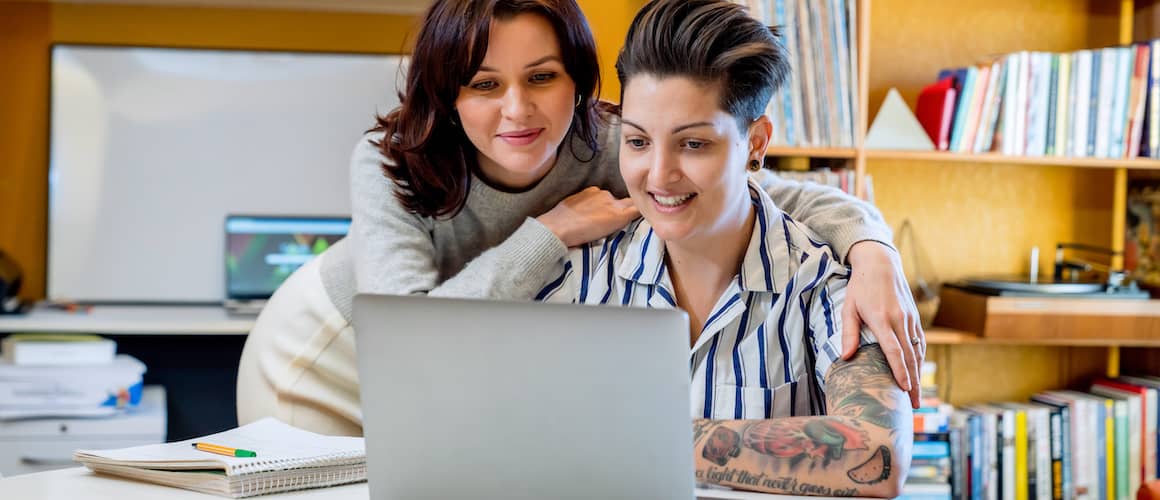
column 43, row 375
column 931, row 466
column 817, row 106
column 1097, row 103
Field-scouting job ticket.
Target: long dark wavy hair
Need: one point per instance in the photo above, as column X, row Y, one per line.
column 431, row 159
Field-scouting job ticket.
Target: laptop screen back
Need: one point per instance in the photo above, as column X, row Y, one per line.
column 261, row 252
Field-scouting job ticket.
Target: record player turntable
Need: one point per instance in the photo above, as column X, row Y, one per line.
column 1082, row 301
column 1072, row 277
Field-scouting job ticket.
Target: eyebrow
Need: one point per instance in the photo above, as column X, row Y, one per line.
column 537, row 62
column 675, row 129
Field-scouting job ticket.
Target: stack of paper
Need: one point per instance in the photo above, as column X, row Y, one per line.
column 28, row 391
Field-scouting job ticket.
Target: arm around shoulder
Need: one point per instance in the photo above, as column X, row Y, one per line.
column 840, row 219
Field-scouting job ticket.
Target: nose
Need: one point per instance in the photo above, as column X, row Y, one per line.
column 517, row 103
column 663, row 168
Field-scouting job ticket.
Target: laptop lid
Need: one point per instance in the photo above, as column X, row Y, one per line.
column 262, row 251
column 483, row 399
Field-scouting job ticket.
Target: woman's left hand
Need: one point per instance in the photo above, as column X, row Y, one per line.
column 879, row 297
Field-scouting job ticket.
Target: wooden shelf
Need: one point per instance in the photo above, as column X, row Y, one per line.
column 1136, row 164
column 796, row 152
column 947, row 336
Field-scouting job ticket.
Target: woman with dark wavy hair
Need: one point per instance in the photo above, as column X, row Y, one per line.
column 499, row 158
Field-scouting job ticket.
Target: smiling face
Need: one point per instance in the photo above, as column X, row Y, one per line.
column 518, row 107
column 684, row 158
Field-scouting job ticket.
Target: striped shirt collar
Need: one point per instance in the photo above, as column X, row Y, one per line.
column 644, row 261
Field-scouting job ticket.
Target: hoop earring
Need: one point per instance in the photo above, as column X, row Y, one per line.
column 579, row 99
column 754, row 165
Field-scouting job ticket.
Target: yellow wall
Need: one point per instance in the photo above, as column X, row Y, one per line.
column 609, row 20
column 28, row 29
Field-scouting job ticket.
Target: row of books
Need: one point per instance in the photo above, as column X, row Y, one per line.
column 840, row 178
column 1102, row 103
column 817, row 105
column 1061, row 445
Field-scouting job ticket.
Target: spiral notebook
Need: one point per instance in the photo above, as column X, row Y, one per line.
column 288, row 459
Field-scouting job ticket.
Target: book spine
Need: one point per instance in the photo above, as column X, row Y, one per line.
column 1121, row 441
column 1108, row 457
column 958, row 469
column 1052, row 108
column 1080, row 99
column 1063, row 105
column 978, row 457
column 1154, row 101
column 1093, row 103
column 1022, row 476
column 1056, row 438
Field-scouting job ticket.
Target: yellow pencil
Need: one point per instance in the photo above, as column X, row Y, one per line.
column 224, row 450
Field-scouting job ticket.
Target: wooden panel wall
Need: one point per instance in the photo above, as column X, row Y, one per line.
column 24, row 36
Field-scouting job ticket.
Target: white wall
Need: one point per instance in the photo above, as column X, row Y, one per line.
column 152, row 148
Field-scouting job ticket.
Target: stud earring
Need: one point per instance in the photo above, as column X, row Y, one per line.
column 754, row 165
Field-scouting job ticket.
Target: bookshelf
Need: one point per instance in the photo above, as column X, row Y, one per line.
column 980, row 214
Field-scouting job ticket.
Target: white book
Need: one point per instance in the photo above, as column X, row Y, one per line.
column 1010, row 107
column 1081, row 97
column 1022, row 82
column 1038, row 93
column 1063, row 105
column 57, row 349
column 1109, row 60
column 1119, row 118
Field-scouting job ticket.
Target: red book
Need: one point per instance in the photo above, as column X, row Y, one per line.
column 936, row 111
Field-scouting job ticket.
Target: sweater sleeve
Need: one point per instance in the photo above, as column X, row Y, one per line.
column 394, row 250
column 842, row 220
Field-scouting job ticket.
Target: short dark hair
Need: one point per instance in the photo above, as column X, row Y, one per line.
column 432, row 157
column 708, row 41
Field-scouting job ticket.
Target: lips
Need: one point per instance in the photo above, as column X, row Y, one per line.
column 521, row 137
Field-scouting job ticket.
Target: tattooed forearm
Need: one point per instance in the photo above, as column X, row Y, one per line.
column 874, row 470
column 862, row 447
column 702, row 428
column 772, row 483
column 813, row 441
column 864, row 388
column 723, row 444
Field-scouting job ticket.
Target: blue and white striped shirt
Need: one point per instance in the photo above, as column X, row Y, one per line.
column 772, row 335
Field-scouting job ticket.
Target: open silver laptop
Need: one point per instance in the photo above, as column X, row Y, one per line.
column 262, row 251
column 486, row 400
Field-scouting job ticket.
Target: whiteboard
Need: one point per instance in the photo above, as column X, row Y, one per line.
column 151, row 148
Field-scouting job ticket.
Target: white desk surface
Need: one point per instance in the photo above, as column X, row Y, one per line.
column 132, row 320
column 78, row 482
